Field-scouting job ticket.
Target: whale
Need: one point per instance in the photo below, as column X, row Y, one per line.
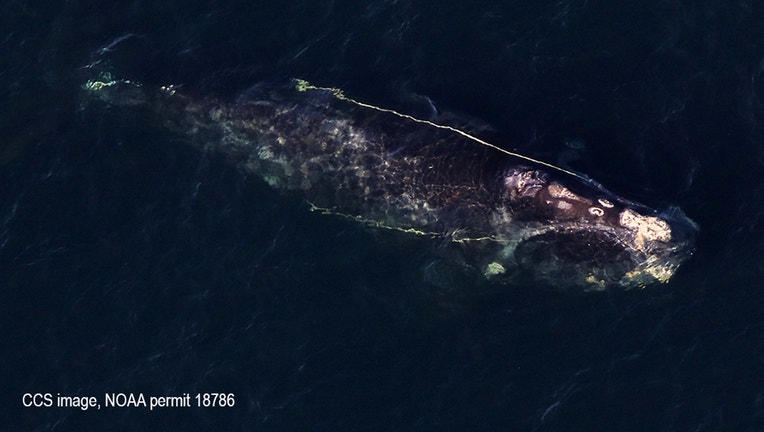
column 509, row 218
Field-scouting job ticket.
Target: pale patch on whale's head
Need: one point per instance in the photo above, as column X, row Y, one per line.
column 576, row 234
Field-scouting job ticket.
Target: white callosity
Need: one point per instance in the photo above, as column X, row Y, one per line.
column 647, row 228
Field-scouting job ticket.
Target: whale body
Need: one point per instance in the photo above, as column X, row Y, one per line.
column 510, row 217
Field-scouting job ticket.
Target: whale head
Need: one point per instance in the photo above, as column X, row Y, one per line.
column 578, row 234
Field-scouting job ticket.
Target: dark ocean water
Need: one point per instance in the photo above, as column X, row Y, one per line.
column 132, row 263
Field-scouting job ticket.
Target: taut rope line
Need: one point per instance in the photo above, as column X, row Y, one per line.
column 302, row 85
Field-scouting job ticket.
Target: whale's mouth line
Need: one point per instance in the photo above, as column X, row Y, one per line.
column 572, row 253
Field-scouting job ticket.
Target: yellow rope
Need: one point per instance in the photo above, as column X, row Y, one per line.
column 382, row 225
column 302, row 85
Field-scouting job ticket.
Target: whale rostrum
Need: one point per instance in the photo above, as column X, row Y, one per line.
column 510, row 217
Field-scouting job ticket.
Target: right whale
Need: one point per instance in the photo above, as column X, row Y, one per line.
column 511, row 218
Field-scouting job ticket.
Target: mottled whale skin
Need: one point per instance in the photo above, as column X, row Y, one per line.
column 510, row 218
